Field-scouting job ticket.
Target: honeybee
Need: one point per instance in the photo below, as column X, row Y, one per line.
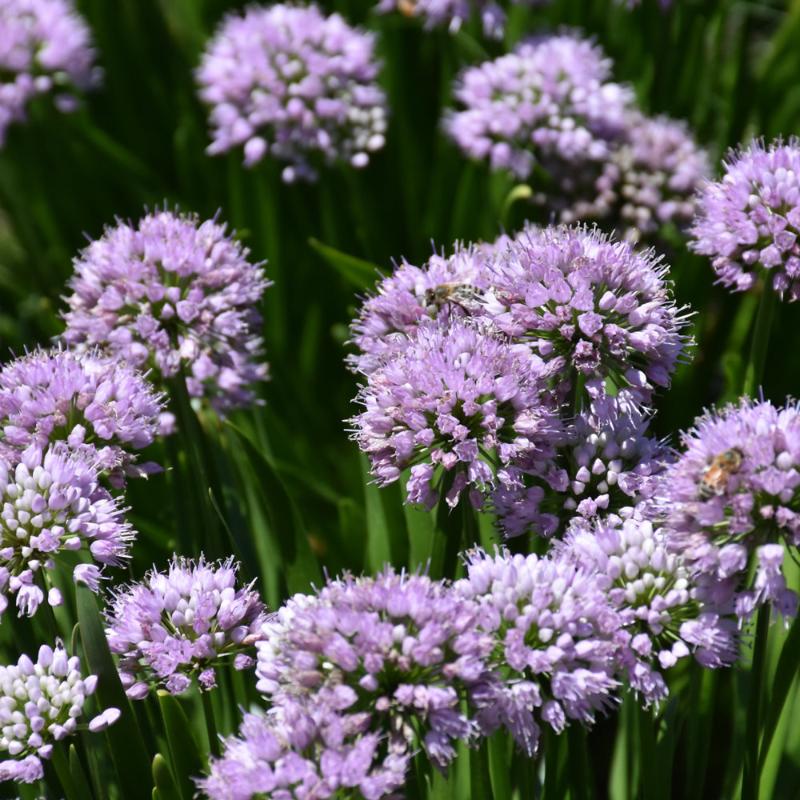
column 407, row 7
column 461, row 294
column 718, row 473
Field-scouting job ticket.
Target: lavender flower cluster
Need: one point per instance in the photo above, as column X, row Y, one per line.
column 183, row 624
column 366, row 671
column 730, row 503
column 296, row 85
column 749, row 222
column 40, row 704
column 45, row 48
column 176, row 296
column 549, row 110
column 473, row 365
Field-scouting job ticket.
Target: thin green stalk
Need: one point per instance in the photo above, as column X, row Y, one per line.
column 211, row 723
column 446, row 541
column 752, row 769
column 580, row 779
column 758, row 349
column 61, row 765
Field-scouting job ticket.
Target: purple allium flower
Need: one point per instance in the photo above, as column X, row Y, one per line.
column 178, row 624
column 649, row 180
column 40, row 702
column 302, row 752
column 293, row 84
column 45, row 47
column 398, row 652
column 52, row 504
column 663, row 621
column 595, row 307
column 177, row 296
column 556, row 643
column 550, row 98
column 603, row 461
column 748, row 223
column 730, row 504
column 444, row 287
column 100, row 406
column 456, row 400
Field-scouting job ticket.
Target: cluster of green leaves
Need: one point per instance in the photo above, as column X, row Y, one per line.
column 280, row 485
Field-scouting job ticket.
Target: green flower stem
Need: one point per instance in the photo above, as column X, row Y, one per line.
column 752, row 771
column 455, row 529
column 211, row 723
column 61, row 766
column 758, row 349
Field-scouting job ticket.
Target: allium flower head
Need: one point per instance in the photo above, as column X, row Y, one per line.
column 556, row 649
column 649, row 180
column 603, row 461
column 181, row 624
column 444, row 287
column 457, row 400
column 293, row 753
column 177, row 296
column 40, row 703
column 663, row 621
column 45, row 47
column 100, row 406
column 748, row 223
column 592, row 306
column 395, row 654
column 731, row 504
column 549, row 98
column 52, row 504
column 292, row 84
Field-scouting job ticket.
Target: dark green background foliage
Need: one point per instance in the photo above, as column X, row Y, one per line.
column 288, row 493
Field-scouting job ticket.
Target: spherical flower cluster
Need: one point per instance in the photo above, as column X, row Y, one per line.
column 651, row 589
column 749, row 222
column 40, row 703
column 591, row 306
column 556, row 648
column 395, row 654
column 731, row 504
column 549, row 98
column 289, row 82
column 455, row 400
column 177, row 296
column 100, row 406
column 445, row 287
column 182, row 624
column 45, row 48
column 649, row 180
column 52, row 504
column 604, row 461
column 296, row 752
